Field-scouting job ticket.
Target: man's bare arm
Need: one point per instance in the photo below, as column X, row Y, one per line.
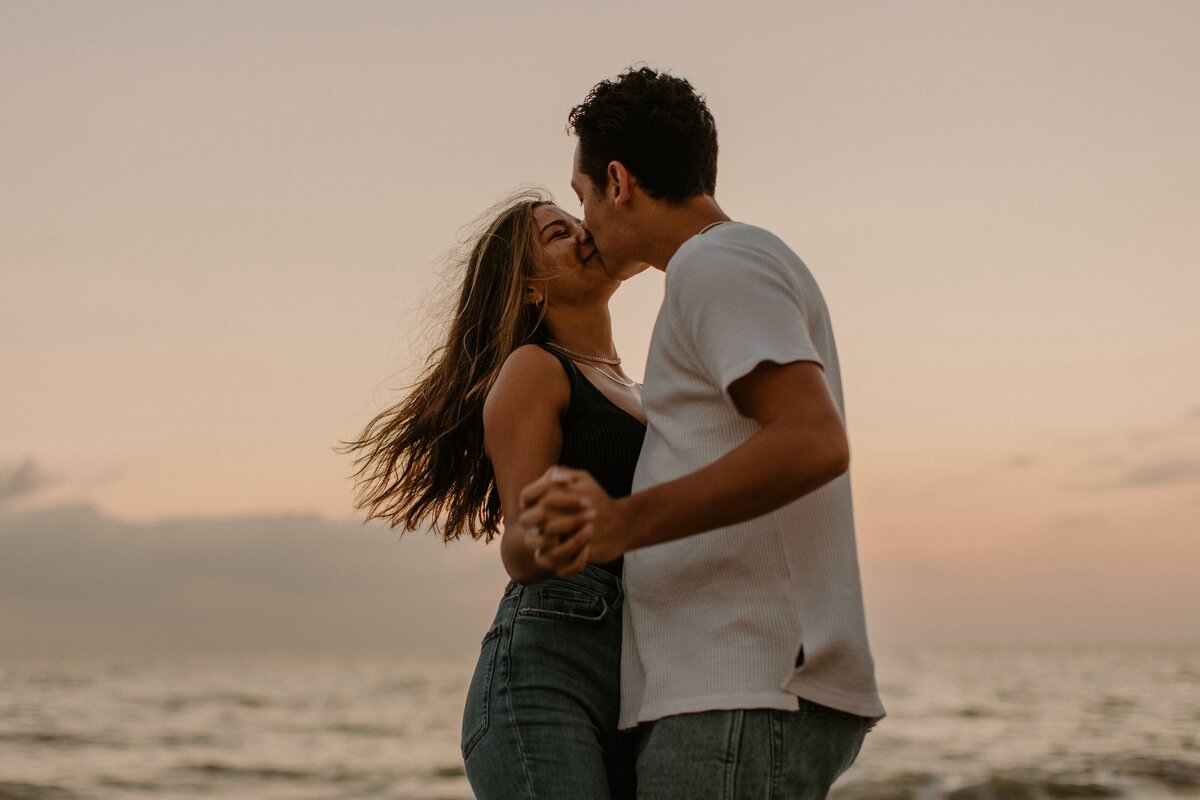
column 800, row 447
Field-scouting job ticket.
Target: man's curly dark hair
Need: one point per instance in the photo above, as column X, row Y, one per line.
column 657, row 126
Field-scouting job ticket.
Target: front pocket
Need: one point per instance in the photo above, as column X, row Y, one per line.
column 562, row 600
column 476, row 714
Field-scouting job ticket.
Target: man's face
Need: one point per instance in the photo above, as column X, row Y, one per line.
column 611, row 236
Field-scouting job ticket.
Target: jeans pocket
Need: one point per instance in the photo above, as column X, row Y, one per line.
column 477, row 713
column 865, row 725
column 561, row 600
column 842, row 732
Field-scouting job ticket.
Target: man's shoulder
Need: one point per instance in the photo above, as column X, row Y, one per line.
column 729, row 256
column 743, row 234
column 733, row 241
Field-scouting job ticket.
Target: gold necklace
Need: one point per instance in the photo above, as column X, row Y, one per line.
column 612, row 362
column 613, row 378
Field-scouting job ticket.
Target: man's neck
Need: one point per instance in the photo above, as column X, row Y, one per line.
column 672, row 225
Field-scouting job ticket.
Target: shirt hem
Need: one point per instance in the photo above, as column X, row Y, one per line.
column 780, row 700
column 823, row 695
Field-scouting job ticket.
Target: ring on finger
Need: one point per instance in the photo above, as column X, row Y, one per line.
column 533, row 532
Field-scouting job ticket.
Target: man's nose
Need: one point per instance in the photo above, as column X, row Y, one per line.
column 582, row 234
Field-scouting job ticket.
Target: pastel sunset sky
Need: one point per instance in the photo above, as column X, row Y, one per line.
column 222, row 226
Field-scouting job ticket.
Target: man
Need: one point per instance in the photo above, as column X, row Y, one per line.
column 745, row 667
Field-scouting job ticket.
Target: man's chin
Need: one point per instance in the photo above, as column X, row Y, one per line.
column 625, row 271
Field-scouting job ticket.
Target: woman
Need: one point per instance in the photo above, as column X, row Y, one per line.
column 528, row 377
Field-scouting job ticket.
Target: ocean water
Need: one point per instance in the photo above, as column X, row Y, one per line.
column 965, row 723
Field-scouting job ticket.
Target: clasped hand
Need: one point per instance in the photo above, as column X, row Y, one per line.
column 569, row 520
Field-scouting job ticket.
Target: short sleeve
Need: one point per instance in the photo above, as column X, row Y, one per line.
column 739, row 307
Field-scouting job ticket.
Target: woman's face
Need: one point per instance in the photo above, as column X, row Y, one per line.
column 567, row 257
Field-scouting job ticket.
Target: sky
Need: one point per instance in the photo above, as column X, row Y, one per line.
column 223, row 239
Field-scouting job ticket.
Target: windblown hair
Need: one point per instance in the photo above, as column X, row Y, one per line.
column 657, row 126
column 422, row 460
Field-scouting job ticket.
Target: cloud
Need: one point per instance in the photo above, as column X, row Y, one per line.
column 1079, row 523
column 76, row 581
column 1167, row 471
column 21, row 480
column 1147, row 437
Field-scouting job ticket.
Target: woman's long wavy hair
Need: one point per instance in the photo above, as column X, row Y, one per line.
column 422, row 460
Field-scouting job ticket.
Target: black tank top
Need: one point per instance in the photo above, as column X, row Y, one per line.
column 599, row 436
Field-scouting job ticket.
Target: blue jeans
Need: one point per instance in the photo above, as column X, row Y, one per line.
column 541, row 712
column 751, row 753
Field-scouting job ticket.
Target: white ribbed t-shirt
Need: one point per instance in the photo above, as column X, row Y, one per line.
column 719, row 620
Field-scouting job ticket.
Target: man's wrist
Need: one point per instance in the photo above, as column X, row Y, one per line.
column 633, row 517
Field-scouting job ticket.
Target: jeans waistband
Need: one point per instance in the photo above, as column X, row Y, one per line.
column 592, row 579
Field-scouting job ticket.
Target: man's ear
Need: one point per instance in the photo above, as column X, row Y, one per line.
column 620, row 183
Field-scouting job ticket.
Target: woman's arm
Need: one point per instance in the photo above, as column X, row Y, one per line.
column 799, row 447
column 522, row 435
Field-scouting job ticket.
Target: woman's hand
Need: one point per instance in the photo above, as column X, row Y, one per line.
column 570, row 520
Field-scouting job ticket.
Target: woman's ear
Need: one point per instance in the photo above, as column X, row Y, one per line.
column 534, row 295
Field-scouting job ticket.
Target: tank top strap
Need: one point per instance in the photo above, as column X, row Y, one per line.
column 575, row 378
column 570, row 367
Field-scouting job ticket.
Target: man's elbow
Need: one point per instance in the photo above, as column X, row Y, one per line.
column 839, row 459
column 826, row 457
column 834, row 459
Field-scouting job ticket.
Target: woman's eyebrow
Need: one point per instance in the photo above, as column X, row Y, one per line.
column 551, row 222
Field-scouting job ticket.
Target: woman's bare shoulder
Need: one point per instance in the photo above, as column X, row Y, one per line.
column 531, row 357
column 532, row 376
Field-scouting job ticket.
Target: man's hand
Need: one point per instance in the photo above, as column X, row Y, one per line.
column 571, row 521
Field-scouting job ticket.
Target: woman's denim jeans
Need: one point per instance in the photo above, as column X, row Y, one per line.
column 541, row 713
